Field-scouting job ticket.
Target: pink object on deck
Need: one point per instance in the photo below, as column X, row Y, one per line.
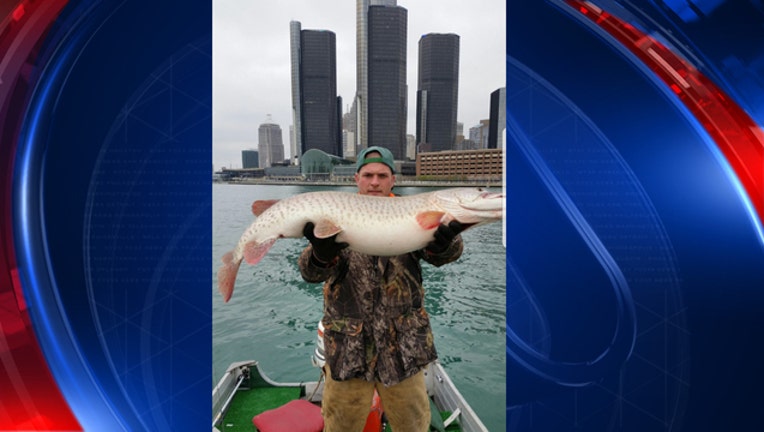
column 295, row 416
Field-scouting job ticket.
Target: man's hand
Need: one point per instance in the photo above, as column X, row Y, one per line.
column 326, row 250
column 444, row 235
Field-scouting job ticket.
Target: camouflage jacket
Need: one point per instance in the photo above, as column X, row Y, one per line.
column 376, row 327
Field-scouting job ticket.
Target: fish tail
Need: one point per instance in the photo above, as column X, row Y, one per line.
column 227, row 276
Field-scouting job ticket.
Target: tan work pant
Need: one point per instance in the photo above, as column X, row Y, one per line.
column 346, row 404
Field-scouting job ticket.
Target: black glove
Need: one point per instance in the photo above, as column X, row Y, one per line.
column 324, row 250
column 444, row 235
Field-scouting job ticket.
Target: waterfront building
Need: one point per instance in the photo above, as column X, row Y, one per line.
column 270, row 145
column 497, row 119
column 316, row 108
column 319, row 165
column 249, row 159
column 469, row 165
column 284, row 173
column 437, row 91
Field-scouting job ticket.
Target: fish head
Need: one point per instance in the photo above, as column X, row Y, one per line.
column 470, row 205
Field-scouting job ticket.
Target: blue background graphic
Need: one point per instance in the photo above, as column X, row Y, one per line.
column 112, row 206
column 635, row 276
column 635, row 265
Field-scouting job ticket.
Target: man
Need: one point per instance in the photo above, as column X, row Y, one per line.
column 377, row 333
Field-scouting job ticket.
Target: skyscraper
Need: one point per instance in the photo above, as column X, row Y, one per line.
column 270, row 147
column 498, row 119
column 315, row 105
column 362, row 68
column 295, row 138
column 249, row 159
column 387, row 90
column 437, row 91
column 479, row 134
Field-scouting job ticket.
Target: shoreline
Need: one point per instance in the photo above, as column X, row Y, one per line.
column 401, row 183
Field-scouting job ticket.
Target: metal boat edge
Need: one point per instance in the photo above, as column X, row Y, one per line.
column 439, row 386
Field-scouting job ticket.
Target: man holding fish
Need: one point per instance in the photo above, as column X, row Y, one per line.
column 366, row 248
column 377, row 334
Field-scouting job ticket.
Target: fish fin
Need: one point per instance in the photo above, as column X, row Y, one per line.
column 260, row 206
column 429, row 219
column 254, row 251
column 227, row 276
column 325, row 229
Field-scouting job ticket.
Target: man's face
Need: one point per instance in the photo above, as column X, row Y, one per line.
column 375, row 178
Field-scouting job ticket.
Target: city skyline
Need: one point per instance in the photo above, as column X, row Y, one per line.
column 251, row 61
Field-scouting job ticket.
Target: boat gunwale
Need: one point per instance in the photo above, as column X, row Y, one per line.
column 439, row 386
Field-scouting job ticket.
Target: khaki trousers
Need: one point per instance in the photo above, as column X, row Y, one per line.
column 346, row 404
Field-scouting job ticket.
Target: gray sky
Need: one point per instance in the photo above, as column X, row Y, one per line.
column 252, row 72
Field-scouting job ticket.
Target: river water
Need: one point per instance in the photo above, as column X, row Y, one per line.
column 273, row 314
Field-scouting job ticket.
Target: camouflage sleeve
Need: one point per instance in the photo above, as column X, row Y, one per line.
column 452, row 253
column 310, row 270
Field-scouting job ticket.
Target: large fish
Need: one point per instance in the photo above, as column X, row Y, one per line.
column 380, row 226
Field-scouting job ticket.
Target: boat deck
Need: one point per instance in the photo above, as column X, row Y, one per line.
column 249, row 403
column 245, row 392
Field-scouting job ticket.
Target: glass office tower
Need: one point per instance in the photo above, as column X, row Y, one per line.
column 315, row 105
column 387, row 90
column 437, row 91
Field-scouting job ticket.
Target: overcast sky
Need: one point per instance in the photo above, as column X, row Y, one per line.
column 252, row 72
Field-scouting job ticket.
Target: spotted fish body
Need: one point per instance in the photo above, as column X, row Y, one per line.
column 380, row 226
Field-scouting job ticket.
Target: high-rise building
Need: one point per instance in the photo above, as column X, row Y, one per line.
column 338, row 127
column 459, row 135
column 348, row 147
column 270, row 145
column 295, row 160
column 361, row 79
column 387, row 90
column 348, row 119
column 437, row 91
column 249, row 159
column 362, row 68
column 316, row 109
column 497, row 119
column 295, row 131
column 410, row 147
column 479, row 134
column 349, row 132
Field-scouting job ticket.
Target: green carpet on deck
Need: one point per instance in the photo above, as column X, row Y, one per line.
column 250, row 403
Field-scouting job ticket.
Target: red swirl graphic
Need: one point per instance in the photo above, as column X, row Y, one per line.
column 739, row 138
column 30, row 398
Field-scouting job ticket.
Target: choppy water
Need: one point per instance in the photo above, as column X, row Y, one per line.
column 273, row 314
